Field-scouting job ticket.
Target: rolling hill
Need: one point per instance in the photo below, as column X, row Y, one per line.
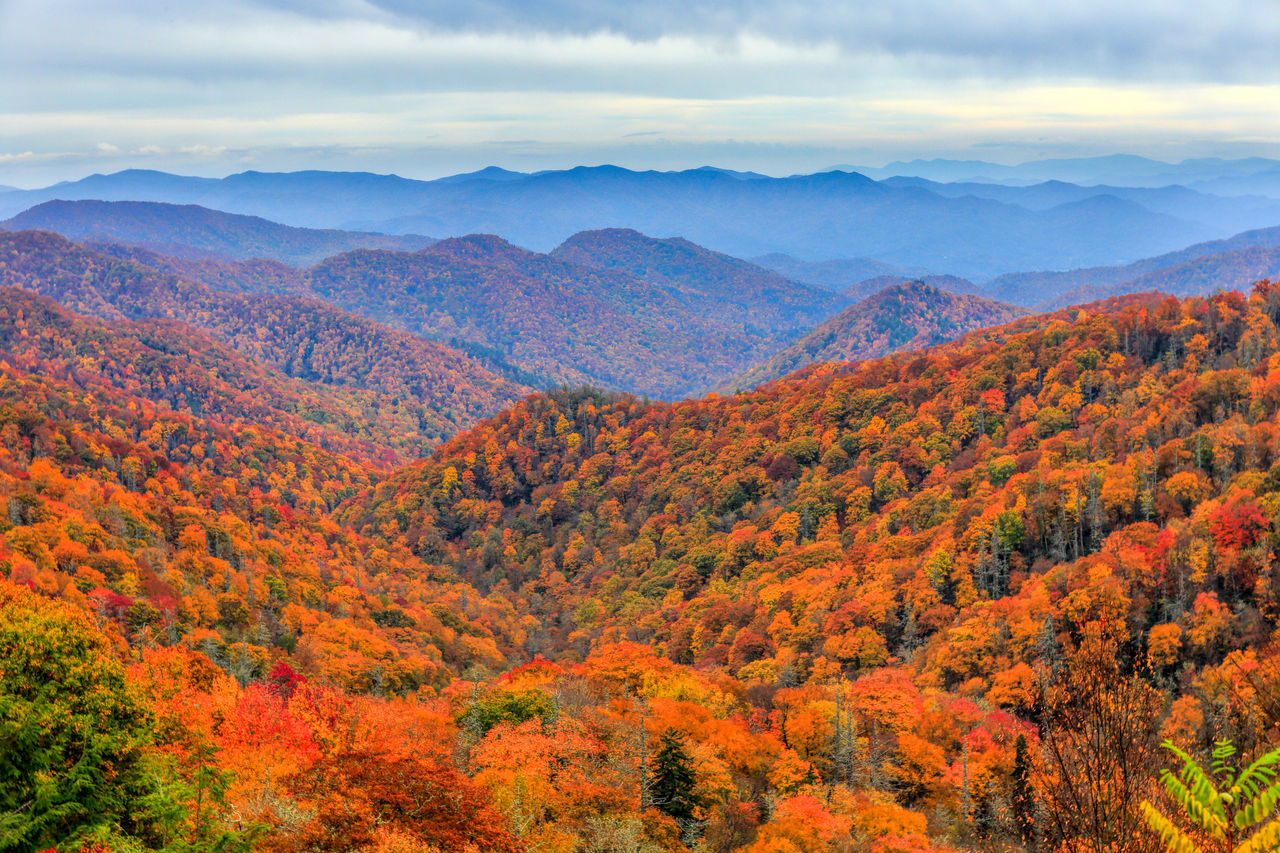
column 1233, row 213
column 194, row 232
column 1237, row 269
column 886, row 606
column 433, row 389
column 949, row 283
column 256, row 275
column 180, row 492
column 556, row 319
column 730, row 290
column 697, row 319
column 905, row 316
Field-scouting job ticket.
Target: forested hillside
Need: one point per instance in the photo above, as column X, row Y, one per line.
column 1060, row 288
column 435, row 390
column 181, row 492
column 836, row 274
column 972, row 536
column 727, row 290
column 947, row 599
column 256, row 275
column 1236, row 269
column 903, row 316
column 550, row 317
column 948, row 283
column 613, row 308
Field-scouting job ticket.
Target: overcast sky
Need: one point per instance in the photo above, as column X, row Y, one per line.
column 781, row 86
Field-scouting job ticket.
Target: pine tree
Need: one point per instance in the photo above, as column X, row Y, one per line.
column 671, row 785
column 71, row 731
column 1024, row 802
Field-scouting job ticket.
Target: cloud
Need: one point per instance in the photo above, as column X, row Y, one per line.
column 427, row 86
column 1232, row 40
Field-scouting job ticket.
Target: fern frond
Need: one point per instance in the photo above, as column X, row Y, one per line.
column 1173, row 838
column 1223, row 751
column 1195, row 793
column 1261, row 772
column 1265, row 840
column 1191, row 804
column 1260, row 806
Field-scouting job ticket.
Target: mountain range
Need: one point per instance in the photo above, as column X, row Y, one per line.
column 1055, row 288
column 1208, row 173
column 811, row 217
column 571, row 322
column 296, row 556
column 430, row 389
column 612, row 307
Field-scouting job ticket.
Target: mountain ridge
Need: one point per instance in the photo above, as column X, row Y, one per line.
column 817, row 216
column 195, row 232
column 911, row 315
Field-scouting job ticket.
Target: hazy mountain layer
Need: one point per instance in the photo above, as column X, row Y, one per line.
column 732, row 290
column 191, row 231
column 1048, row 288
column 813, row 217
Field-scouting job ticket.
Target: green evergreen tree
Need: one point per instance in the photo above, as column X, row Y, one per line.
column 1024, row 799
column 71, row 732
column 672, row 781
column 74, row 763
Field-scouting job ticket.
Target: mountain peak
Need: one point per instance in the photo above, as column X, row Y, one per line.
column 907, row 314
column 487, row 247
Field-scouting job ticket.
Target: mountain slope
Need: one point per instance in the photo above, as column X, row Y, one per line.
column 814, row 216
column 727, row 289
column 907, row 316
column 1048, row 288
column 948, row 283
column 1116, row 169
column 931, row 510
column 434, row 389
column 256, row 275
column 559, row 320
column 191, row 231
column 1238, row 270
column 1231, row 214
column 179, row 492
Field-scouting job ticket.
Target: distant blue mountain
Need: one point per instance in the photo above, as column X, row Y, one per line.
column 488, row 173
column 1115, row 169
column 975, row 233
column 191, row 231
column 1182, row 272
column 836, row 273
column 1227, row 215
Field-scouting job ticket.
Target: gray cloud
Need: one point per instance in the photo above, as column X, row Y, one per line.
column 1231, row 40
column 432, row 86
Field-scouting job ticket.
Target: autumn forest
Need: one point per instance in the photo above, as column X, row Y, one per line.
column 317, row 540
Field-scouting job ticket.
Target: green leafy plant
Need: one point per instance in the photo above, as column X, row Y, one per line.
column 1221, row 808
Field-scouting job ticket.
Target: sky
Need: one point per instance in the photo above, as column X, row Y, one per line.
column 435, row 87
